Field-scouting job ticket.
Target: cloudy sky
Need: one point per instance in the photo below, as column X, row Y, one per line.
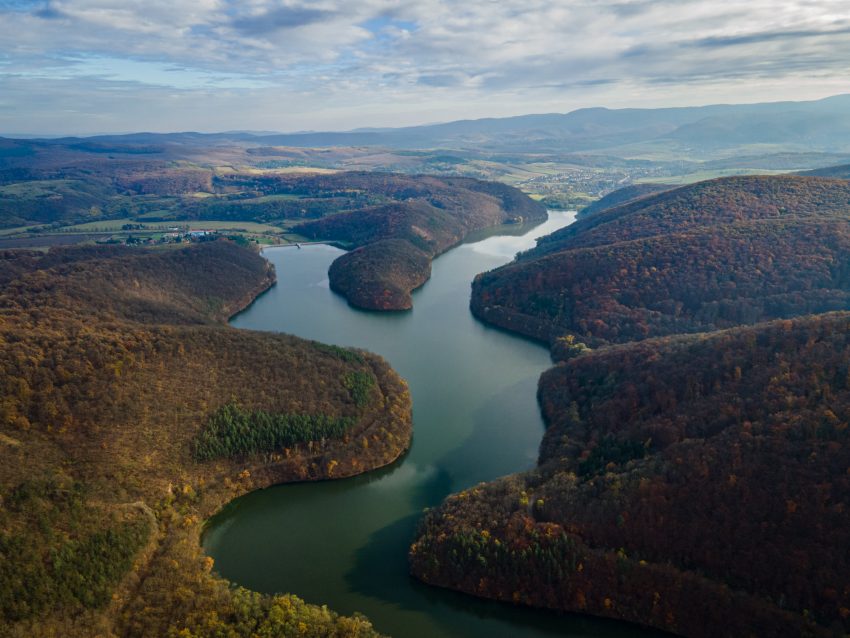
column 86, row 66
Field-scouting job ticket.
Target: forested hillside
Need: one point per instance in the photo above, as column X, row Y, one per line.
column 837, row 172
column 394, row 243
column 725, row 201
column 129, row 413
column 696, row 483
column 621, row 196
column 703, row 257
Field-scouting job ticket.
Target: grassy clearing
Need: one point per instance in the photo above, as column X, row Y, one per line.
column 236, row 226
column 17, row 230
column 546, row 168
column 283, row 170
column 116, row 224
column 274, row 198
column 36, row 188
column 157, row 214
column 104, row 225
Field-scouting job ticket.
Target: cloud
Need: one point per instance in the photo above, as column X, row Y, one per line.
column 440, row 79
column 346, row 61
column 759, row 38
column 280, row 18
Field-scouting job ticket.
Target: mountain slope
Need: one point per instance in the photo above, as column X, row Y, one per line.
column 822, row 124
column 694, row 484
column 711, row 255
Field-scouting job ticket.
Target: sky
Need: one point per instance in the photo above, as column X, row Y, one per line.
column 99, row 66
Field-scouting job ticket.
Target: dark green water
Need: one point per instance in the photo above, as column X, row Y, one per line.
column 344, row 543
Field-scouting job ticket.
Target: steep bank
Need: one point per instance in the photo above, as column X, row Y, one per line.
column 115, row 363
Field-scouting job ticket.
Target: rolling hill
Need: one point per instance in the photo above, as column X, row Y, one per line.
column 396, row 223
column 816, row 125
column 129, row 413
column 395, row 243
column 836, row 172
column 565, row 160
column 711, row 255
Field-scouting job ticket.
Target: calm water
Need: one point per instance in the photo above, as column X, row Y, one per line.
column 344, row 543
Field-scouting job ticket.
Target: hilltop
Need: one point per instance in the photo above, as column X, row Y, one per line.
column 140, row 185
column 130, row 413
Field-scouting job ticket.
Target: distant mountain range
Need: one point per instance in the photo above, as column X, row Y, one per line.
column 836, row 172
column 822, row 125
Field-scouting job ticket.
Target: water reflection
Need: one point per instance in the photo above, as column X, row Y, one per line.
column 344, row 543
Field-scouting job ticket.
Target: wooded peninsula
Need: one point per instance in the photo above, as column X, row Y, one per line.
column 131, row 413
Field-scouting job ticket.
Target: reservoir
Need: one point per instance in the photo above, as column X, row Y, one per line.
column 344, row 543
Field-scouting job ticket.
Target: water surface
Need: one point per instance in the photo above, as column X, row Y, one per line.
column 344, row 543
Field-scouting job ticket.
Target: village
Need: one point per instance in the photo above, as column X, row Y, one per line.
column 174, row 235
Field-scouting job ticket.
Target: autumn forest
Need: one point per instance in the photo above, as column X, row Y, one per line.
column 695, row 464
column 693, row 476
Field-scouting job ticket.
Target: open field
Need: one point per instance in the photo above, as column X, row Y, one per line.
column 15, row 231
column 237, row 226
column 35, row 188
column 284, row 170
column 115, row 225
column 45, row 241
